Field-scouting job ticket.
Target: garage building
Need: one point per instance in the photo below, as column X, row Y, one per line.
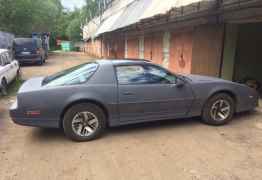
column 211, row 37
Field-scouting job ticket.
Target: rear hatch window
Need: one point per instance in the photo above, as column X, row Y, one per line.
column 25, row 45
column 76, row 75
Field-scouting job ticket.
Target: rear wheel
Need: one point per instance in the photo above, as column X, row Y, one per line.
column 84, row 122
column 218, row 110
column 41, row 62
column 4, row 87
column 18, row 75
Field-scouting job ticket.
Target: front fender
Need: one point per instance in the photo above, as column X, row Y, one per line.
column 205, row 91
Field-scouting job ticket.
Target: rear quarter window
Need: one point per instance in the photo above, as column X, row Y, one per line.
column 29, row 44
column 73, row 76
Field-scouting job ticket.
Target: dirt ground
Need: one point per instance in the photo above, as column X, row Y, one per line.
column 168, row 150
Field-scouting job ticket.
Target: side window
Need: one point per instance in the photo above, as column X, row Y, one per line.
column 4, row 59
column 146, row 74
column 157, row 75
column 8, row 59
column 131, row 75
column 1, row 60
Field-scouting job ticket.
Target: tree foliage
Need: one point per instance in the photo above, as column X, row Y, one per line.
column 22, row 17
column 26, row 16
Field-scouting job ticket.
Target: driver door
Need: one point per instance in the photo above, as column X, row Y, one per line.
column 148, row 92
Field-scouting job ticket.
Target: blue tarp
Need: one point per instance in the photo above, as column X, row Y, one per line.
column 6, row 40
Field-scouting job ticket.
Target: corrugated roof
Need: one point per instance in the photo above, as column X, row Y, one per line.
column 132, row 14
column 163, row 6
column 108, row 23
column 135, row 11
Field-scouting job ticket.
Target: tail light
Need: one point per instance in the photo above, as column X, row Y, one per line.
column 33, row 113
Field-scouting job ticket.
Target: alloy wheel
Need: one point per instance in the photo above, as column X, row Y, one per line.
column 85, row 124
column 220, row 110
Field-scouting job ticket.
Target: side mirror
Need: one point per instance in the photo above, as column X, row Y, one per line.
column 180, row 83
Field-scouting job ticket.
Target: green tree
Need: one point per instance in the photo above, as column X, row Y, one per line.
column 23, row 17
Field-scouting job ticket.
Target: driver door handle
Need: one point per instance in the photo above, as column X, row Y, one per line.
column 128, row 93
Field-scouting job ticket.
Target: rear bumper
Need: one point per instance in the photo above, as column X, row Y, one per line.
column 28, row 59
column 17, row 117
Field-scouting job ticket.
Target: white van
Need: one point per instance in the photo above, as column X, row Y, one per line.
column 9, row 69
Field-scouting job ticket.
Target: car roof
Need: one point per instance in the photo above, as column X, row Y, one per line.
column 3, row 50
column 25, row 39
column 123, row 61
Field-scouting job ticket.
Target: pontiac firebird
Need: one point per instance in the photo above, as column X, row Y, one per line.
column 86, row 99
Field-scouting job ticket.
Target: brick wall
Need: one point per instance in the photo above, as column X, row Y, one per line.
column 153, row 48
column 181, row 52
column 113, row 48
column 93, row 48
column 148, row 48
column 132, row 48
column 190, row 51
column 207, row 50
column 157, row 49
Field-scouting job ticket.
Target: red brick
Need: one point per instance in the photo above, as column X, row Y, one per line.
column 181, row 52
column 132, row 48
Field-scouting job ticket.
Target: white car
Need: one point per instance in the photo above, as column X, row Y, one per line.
column 9, row 69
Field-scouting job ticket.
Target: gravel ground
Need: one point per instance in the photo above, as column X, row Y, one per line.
column 178, row 149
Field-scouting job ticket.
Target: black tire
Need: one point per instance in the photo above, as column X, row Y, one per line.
column 4, row 87
column 83, row 107
column 18, row 74
column 41, row 62
column 206, row 113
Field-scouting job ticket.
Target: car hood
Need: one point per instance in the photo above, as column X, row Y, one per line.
column 199, row 78
column 31, row 85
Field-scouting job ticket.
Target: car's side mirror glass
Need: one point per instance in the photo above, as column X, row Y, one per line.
column 180, row 83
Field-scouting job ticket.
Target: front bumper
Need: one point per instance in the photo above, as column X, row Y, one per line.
column 17, row 117
column 248, row 102
column 28, row 59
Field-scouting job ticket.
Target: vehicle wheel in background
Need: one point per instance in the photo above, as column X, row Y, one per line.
column 41, row 62
column 18, row 74
column 84, row 122
column 218, row 110
column 4, row 87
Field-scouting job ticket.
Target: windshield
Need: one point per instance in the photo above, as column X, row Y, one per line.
column 24, row 43
column 76, row 75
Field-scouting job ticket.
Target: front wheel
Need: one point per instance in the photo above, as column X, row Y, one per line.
column 84, row 122
column 41, row 62
column 4, row 87
column 218, row 110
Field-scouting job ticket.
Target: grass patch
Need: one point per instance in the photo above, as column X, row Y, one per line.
column 14, row 86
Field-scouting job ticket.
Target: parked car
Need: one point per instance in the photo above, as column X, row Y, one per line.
column 9, row 69
column 29, row 50
column 6, row 42
column 85, row 99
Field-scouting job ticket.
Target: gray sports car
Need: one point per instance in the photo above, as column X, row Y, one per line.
column 85, row 99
